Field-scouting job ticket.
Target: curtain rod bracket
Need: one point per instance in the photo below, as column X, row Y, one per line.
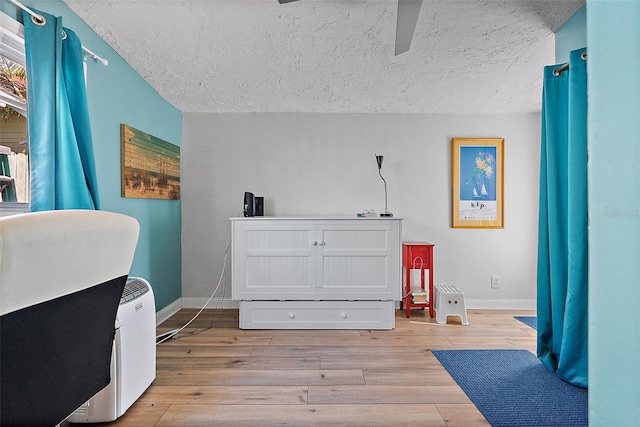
column 565, row 66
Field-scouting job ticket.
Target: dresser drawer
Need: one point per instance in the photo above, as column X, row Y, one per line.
column 317, row 314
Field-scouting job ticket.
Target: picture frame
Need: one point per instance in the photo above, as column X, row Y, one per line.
column 150, row 166
column 477, row 176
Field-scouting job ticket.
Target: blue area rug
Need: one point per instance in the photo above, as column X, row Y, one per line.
column 528, row 320
column 513, row 389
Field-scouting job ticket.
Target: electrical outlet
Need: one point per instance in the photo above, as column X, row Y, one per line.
column 495, row 282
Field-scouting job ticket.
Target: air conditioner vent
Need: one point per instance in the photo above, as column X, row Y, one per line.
column 133, row 289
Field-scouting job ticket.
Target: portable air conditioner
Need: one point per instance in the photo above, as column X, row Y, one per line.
column 133, row 362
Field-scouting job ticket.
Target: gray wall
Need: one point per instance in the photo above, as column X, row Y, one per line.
column 307, row 164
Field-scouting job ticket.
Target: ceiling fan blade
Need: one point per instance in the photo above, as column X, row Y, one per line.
column 408, row 11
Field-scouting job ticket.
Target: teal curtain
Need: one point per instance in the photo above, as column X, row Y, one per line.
column 562, row 233
column 62, row 164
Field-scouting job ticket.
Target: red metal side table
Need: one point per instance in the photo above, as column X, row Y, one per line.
column 417, row 255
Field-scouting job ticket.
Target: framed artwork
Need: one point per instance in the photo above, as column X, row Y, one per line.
column 150, row 166
column 478, row 182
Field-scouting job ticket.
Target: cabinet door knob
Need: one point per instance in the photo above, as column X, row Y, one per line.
column 292, row 316
column 343, row 315
column 315, row 243
column 322, row 243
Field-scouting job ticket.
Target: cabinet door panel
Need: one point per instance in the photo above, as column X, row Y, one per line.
column 269, row 272
column 366, row 240
column 278, row 261
column 343, row 272
column 354, row 261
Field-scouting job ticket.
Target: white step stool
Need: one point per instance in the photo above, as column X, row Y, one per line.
column 449, row 302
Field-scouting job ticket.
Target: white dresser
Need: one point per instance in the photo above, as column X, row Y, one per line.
column 316, row 273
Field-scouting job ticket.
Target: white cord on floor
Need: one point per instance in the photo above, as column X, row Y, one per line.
column 222, row 275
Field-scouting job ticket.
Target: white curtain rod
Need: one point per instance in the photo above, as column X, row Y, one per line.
column 40, row 20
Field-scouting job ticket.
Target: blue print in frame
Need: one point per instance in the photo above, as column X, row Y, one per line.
column 477, row 171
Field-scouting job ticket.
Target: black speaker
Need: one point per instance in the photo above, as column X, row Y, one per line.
column 259, row 206
column 249, row 204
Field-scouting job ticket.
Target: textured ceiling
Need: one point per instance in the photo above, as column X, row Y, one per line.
column 334, row 55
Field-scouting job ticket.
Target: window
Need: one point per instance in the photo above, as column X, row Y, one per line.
column 14, row 146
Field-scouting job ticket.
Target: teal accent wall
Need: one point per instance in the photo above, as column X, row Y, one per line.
column 571, row 36
column 613, row 37
column 117, row 94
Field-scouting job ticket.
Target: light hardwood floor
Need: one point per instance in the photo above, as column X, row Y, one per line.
column 225, row 376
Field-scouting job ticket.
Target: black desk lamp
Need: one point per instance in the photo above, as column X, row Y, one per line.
column 386, row 213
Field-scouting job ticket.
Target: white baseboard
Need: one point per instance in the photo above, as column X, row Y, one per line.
column 168, row 311
column 500, row 304
column 194, row 302
column 477, row 304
